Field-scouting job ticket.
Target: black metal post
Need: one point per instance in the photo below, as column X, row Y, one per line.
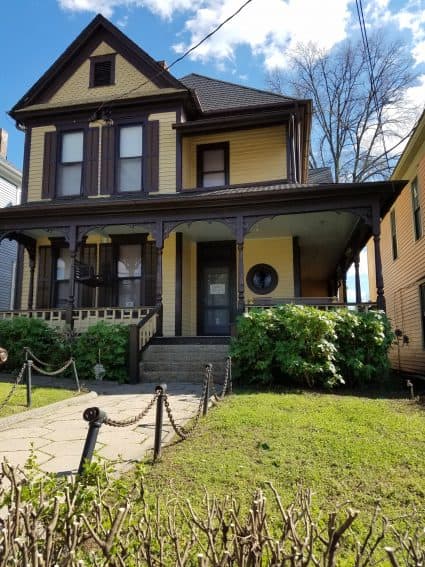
column 230, row 383
column 161, row 390
column 29, row 380
column 207, row 390
column 95, row 417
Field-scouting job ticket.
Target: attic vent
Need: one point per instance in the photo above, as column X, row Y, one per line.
column 102, row 71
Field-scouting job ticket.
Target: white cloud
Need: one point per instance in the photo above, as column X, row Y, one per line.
column 270, row 27
column 164, row 8
column 269, row 31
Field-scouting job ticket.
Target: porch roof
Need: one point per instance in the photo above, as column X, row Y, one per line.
column 242, row 199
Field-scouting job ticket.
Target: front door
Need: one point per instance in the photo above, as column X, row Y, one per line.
column 217, row 291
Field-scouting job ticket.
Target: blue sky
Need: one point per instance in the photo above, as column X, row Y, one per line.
column 35, row 32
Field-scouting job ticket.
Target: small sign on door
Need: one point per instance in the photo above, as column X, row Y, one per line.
column 217, row 289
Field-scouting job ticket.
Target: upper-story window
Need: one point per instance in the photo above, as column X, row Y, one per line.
column 102, row 70
column 130, row 158
column 393, row 235
column 70, row 172
column 416, row 206
column 213, row 165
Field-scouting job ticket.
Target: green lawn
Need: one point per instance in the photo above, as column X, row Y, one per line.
column 41, row 396
column 342, row 447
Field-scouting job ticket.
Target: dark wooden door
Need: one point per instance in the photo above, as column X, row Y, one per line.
column 216, row 287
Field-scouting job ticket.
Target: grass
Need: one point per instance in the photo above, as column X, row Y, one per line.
column 343, row 447
column 41, row 396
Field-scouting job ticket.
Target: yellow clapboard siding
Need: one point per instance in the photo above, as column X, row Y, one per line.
column 403, row 276
column 127, row 77
column 167, row 151
column 169, row 285
column 277, row 252
column 254, row 155
column 35, row 177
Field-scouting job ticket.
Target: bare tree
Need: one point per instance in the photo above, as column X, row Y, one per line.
column 359, row 124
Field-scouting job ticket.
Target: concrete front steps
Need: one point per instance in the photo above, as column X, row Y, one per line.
column 183, row 359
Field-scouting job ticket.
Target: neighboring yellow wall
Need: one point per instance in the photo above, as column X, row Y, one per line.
column 167, row 151
column 35, row 177
column 277, row 252
column 403, row 276
column 254, row 155
column 169, row 285
column 189, row 296
column 127, row 77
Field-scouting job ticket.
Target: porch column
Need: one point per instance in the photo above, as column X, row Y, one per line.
column 73, row 246
column 379, row 278
column 159, row 250
column 344, row 286
column 357, row 277
column 240, row 238
column 31, row 283
column 241, row 279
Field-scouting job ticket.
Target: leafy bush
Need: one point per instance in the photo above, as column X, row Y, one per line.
column 305, row 345
column 106, row 343
column 363, row 341
column 44, row 341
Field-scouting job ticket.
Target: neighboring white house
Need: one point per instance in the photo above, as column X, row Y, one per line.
column 10, row 192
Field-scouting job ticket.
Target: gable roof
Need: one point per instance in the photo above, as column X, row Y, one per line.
column 320, row 175
column 100, row 29
column 215, row 95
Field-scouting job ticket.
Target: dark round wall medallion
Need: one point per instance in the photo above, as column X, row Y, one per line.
column 262, row 279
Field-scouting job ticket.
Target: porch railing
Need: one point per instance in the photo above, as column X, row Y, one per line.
column 140, row 336
column 84, row 317
column 324, row 303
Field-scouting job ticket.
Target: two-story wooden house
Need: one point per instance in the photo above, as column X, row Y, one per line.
column 178, row 201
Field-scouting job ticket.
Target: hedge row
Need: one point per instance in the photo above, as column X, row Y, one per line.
column 308, row 346
column 102, row 342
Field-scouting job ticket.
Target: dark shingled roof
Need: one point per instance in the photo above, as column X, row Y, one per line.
column 215, row 95
column 320, row 175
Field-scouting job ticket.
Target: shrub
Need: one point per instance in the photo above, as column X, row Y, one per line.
column 363, row 341
column 305, row 345
column 44, row 341
column 106, row 343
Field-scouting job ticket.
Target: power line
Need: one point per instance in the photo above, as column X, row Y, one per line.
column 180, row 58
column 363, row 31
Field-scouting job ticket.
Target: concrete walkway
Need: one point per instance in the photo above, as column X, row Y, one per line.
column 57, row 432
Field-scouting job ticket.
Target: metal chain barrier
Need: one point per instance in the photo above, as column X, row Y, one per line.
column 131, row 420
column 18, row 380
column 54, row 372
column 182, row 432
column 30, row 354
column 227, row 387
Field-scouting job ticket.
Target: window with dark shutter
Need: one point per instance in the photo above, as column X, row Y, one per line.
column 213, row 165
column 393, row 235
column 102, row 71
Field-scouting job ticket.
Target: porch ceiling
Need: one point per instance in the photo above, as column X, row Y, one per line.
column 323, row 237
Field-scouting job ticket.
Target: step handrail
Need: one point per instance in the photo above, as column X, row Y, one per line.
column 140, row 335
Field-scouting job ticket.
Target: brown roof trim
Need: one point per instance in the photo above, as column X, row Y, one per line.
column 98, row 30
column 225, row 122
column 254, row 198
column 150, row 103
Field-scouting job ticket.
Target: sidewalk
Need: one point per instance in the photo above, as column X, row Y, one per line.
column 57, row 432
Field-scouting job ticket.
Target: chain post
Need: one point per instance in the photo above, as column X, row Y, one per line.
column 161, row 390
column 208, row 368
column 77, row 382
column 29, row 383
column 95, row 417
column 230, row 383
